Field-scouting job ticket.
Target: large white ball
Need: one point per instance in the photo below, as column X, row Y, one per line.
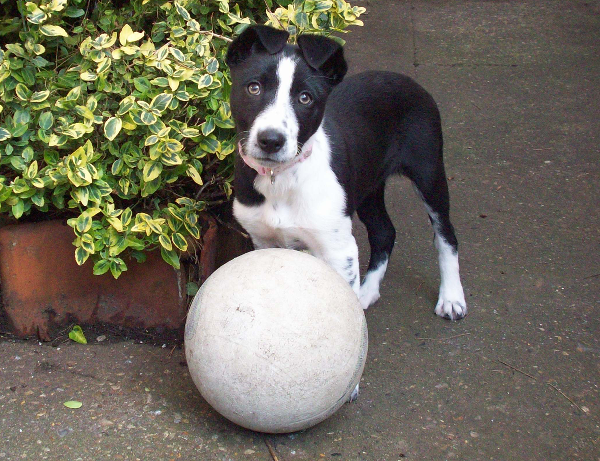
column 276, row 340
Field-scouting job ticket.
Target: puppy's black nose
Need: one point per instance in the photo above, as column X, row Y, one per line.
column 270, row 141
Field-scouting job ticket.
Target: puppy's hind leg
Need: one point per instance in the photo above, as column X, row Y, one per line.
column 382, row 236
column 434, row 192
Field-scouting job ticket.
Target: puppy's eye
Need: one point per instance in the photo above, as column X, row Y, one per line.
column 254, row 88
column 305, row 98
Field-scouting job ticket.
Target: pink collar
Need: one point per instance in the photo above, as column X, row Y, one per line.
column 264, row 171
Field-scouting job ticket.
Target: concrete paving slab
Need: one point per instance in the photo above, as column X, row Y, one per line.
column 517, row 379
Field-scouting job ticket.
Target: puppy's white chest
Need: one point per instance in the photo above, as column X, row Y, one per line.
column 304, row 208
column 280, row 223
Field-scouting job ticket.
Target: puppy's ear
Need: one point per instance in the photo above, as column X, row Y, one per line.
column 253, row 39
column 324, row 54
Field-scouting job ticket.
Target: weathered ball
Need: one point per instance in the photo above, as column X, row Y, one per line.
column 276, row 340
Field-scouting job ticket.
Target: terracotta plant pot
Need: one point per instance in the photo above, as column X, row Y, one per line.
column 43, row 288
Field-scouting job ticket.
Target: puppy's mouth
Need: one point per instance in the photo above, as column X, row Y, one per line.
column 268, row 166
column 256, row 154
column 267, row 162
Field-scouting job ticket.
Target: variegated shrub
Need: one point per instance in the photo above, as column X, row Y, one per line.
column 118, row 119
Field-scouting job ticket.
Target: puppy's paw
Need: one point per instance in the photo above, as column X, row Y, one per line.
column 368, row 296
column 369, row 291
column 452, row 309
column 354, row 394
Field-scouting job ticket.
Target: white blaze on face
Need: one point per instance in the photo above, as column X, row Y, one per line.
column 279, row 115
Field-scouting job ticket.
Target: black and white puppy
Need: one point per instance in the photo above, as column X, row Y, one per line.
column 313, row 150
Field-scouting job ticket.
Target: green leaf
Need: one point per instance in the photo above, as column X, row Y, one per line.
column 212, row 65
column 81, row 195
column 21, row 117
column 76, row 334
column 322, row 5
column 204, row 81
column 22, row 92
column 301, row 20
column 179, row 241
column 39, row 183
column 53, row 31
column 192, row 229
column 177, row 54
column 4, row 134
column 76, row 130
column 103, row 65
column 171, row 159
column 208, row 126
column 148, row 118
column 19, row 131
column 172, row 145
column 112, row 127
column 117, row 166
column 88, row 76
column 74, row 94
column 83, row 223
column 162, row 52
column 116, row 223
column 87, row 243
column 81, row 256
column 40, row 96
column 46, row 120
column 32, row 171
column 152, row 170
column 74, row 404
column 210, row 145
column 38, row 61
column 125, row 105
column 191, row 288
column 144, row 105
column 224, row 123
column 117, row 266
column 126, row 216
column 223, row 6
column 192, row 172
column 160, row 81
column 170, row 257
column 161, row 101
column 20, row 186
column 73, row 12
column 190, row 132
column 101, row 267
column 182, row 95
column 103, row 187
column 150, row 140
column 16, row 49
column 178, row 31
column 182, row 12
column 38, row 199
column 18, row 209
column 142, row 84
column 18, row 163
column 165, row 242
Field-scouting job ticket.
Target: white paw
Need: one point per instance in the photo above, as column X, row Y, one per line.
column 354, row 394
column 452, row 308
column 368, row 295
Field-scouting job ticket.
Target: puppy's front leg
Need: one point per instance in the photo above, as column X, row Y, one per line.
column 343, row 257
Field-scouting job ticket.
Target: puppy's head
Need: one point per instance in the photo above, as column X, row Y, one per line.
column 279, row 91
